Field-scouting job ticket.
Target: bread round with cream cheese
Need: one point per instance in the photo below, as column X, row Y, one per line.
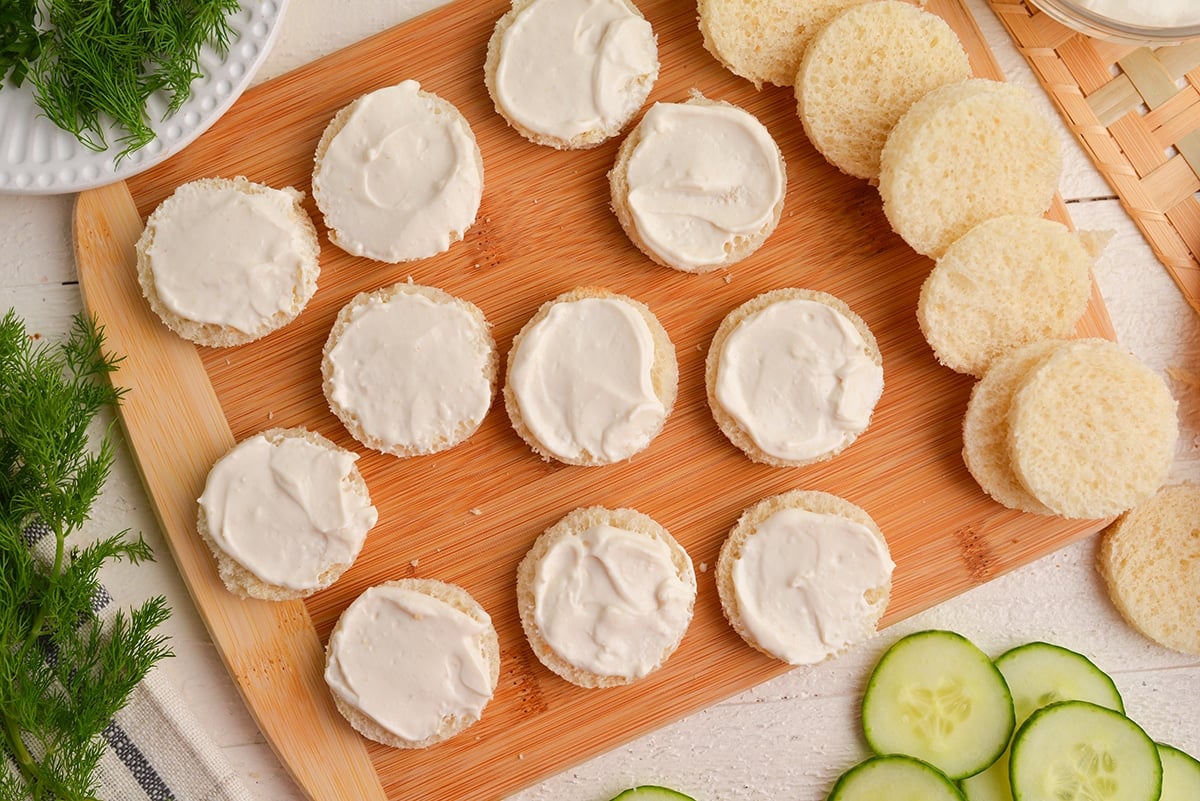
column 675, row 592
column 806, row 633
column 451, row 723
column 203, row 219
column 663, row 375
column 690, row 239
column 378, row 418
column 789, row 392
column 241, row 579
column 586, row 75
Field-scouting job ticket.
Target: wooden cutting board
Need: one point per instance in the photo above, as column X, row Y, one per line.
column 468, row 515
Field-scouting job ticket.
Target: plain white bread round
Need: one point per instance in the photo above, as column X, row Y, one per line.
column 664, row 373
column 636, row 91
column 712, row 368
column 864, row 69
column 242, row 582
column 763, row 40
column 345, row 240
column 963, row 153
column 572, row 525
column 809, row 500
column 618, row 182
column 345, row 318
column 460, row 599
column 1092, row 430
column 986, row 426
column 1008, row 281
column 1150, row 561
column 304, row 235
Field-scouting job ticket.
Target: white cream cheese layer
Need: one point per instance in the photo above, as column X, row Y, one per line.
column 568, row 67
column 610, row 601
column 800, row 584
column 409, row 661
column 412, row 372
column 229, row 257
column 702, row 177
column 286, row 510
column 797, row 377
column 402, row 179
column 582, row 379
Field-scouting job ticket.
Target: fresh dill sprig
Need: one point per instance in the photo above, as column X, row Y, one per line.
column 64, row 671
column 96, row 62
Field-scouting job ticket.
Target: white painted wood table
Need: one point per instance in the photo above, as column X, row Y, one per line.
column 787, row 738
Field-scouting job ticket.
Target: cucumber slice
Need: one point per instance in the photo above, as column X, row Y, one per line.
column 1079, row 751
column 651, row 792
column 1039, row 673
column 894, row 777
column 990, row 784
column 1181, row 774
column 935, row 696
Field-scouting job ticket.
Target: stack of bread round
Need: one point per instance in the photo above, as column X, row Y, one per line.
column 849, row 95
column 1077, row 428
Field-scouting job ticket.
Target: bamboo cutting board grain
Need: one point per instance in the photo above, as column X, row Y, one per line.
column 468, row 515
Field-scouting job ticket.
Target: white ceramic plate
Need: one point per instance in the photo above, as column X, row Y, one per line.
column 38, row 158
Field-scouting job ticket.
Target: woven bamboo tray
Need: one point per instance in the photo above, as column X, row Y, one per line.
column 1136, row 111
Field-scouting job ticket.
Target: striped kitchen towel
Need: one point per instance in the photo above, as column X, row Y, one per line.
column 155, row 747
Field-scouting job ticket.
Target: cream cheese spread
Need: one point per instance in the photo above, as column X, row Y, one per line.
column 582, row 380
column 409, row 661
column 798, row 378
column 284, row 509
column 570, row 67
column 801, row 582
column 411, row 372
column 1157, row 14
column 701, row 178
column 611, row 601
column 402, row 178
column 230, row 257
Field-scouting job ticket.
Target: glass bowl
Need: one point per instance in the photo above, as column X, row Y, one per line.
column 1136, row 22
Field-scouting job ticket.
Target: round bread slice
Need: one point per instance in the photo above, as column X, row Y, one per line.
column 570, row 74
column 605, row 596
column 413, row 662
column 1092, row 430
column 962, row 154
column 1007, row 282
column 763, row 41
column 410, row 370
column 1150, row 561
column 850, row 94
column 398, row 175
column 986, row 427
column 269, row 542
column 226, row 261
column 778, row 389
column 698, row 185
column 804, row 575
column 585, row 406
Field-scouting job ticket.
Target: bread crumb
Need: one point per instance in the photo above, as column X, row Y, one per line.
column 415, row 562
column 704, row 567
column 476, row 512
column 728, row 278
